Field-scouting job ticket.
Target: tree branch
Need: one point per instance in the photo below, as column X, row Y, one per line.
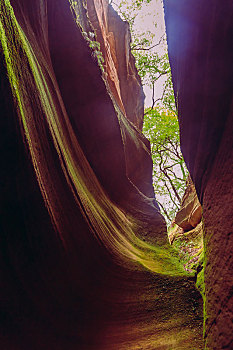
column 171, row 183
column 147, row 48
column 170, row 195
column 158, row 99
column 164, row 210
column 183, row 171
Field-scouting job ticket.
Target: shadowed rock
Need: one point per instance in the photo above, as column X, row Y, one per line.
column 201, row 55
column 76, row 196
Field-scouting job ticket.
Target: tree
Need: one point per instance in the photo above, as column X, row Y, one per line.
column 160, row 121
column 169, row 172
column 150, row 53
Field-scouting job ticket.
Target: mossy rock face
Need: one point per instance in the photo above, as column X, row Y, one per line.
column 189, row 245
column 201, row 281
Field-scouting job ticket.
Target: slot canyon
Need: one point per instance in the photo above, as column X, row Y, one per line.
column 85, row 259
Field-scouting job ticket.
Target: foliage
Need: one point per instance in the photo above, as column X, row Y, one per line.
column 169, row 172
column 160, row 122
column 95, row 46
column 151, row 66
column 87, row 32
column 129, row 10
column 151, row 56
column 168, row 98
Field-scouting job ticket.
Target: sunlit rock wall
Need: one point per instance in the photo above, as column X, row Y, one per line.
column 77, row 197
column 201, row 55
column 114, row 37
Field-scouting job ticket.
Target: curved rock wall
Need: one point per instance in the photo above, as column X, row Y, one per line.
column 76, row 201
column 201, row 55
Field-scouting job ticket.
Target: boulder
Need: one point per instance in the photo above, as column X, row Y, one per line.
column 190, row 213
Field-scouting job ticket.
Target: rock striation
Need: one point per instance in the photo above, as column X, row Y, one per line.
column 78, row 214
column 122, row 77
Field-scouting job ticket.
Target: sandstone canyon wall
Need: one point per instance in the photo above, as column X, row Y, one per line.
column 78, row 214
column 201, row 55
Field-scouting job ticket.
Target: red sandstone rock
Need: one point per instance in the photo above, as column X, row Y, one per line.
column 201, row 55
column 190, row 213
column 122, row 76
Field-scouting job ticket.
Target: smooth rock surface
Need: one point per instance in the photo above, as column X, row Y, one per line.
column 190, row 213
column 201, row 55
